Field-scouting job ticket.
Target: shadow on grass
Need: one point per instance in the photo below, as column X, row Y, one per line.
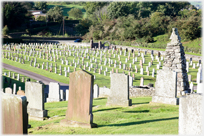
column 140, row 103
column 138, row 122
column 136, row 111
column 107, row 109
column 99, row 98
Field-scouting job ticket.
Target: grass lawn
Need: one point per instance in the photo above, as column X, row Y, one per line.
column 140, row 118
column 67, row 7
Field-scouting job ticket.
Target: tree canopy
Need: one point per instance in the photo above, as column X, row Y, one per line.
column 41, row 5
column 55, row 14
column 75, row 13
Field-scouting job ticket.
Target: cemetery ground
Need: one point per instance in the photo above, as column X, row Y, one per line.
column 140, row 118
column 17, row 82
column 100, row 79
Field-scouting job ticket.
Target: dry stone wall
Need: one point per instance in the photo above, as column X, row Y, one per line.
column 141, row 91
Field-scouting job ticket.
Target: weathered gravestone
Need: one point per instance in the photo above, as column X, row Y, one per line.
column 21, row 92
column 35, row 97
column 54, row 92
column 8, row 90
column 79, row 110
column 14, row 114
column 119, row 94
column 166, row 88
column 191, row 115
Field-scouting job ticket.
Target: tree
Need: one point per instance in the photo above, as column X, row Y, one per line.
column 41, row 18
column 172, row 8
column 117, row 9
column 83, row 26
column 55, row 14
column 5, row 30
column 90, row 7
column 28, row 5
column 14, row 14
column 41, row 5
column 75, row 13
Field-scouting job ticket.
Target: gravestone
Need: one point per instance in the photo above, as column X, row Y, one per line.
column 8, row 90
column 130, row 81
column 14, row 88
column 141, row 81
column 21, row 92
column 79, row 110
column 96, row 91
column 54, row 92
column 191, row 114
column 67, row 94
column 61, row 95
column 191, row 87
column 14, row 114
column 166, row 88
column 119, row 94
column 35, row 97
column 175, row 60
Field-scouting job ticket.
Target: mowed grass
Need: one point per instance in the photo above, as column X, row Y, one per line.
column 140, row 118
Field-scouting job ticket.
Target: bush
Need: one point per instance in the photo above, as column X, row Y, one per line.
column 5, row 30
column 75, row 13
column 41, row 18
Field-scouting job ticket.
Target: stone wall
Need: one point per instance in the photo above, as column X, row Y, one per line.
column 141, row 91
column 104, row 91
column 134, row 91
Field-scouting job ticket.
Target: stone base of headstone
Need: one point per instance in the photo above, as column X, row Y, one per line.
column 111, row 102
column 52, row 100
column 165, row 100
column 36, row 114
column 70, row 123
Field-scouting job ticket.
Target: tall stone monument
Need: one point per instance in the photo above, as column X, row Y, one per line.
column 172, row 80
column 119, row 94
column 79, row 110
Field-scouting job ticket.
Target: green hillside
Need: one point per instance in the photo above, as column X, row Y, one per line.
column 66, row 7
